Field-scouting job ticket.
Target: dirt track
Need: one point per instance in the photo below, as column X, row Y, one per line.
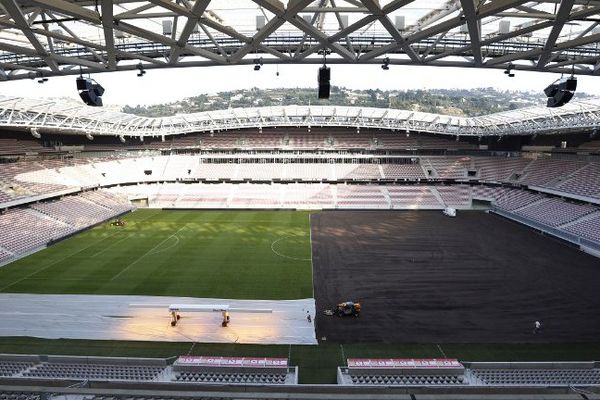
column 424, row 277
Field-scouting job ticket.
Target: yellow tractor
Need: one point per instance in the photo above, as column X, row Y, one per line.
column 348, row 308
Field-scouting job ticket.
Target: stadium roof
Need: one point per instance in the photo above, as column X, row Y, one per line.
column 40, row 38
column 60, row 116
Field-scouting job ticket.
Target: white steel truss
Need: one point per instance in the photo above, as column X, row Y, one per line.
column 44, row 38
column 72, row 118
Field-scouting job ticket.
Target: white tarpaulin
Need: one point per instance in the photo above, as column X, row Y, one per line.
column 110, row 318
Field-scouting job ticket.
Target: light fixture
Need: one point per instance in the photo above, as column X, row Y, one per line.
column 509, row 70
column 141, row 70
column 40, row 76
column 258, row 62
column 386, row 64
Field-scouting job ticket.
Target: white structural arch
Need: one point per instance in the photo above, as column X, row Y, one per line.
column 43, row 38
column 58, row 116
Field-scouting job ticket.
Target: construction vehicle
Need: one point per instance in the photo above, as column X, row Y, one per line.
column 347, row 308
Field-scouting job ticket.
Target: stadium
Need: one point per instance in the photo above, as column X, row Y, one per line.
column 298, row 251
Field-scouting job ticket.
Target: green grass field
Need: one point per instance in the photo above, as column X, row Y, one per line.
column 223, row 254
column 231, row 254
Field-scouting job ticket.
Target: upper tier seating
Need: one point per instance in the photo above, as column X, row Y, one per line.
column 450, row 167
column 22, row 180
column 403, row 171
column 545, row 171
column 585, row 181
column 499, row 169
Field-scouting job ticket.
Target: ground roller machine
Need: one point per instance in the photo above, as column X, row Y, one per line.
column 348, row 308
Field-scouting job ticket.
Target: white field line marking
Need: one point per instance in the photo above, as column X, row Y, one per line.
column 441, row 351
column 168, row 247
column 312, row 268
column 283, row 255
column 146, row 253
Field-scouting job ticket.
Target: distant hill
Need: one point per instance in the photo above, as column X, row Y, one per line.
column 458, row 102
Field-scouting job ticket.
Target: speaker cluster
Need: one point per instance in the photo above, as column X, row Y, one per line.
column 561, row 92
column 90, row 91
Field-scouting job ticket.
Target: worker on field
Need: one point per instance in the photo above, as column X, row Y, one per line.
column 308, row 317
column 537, row 327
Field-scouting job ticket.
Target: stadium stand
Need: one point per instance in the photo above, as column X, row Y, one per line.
column 405, row 372
column 585, row 181
column 403, row 171
column 492, row 169
column 555, row 212
column 94, row 371
column 516, row 199
column 216, row 370
column 234, row 370
column 23, row 230
column 13, row 367
column 450, row 167
column 308, row 179
column 587, row 228
column 529, row 374
column 567, row 177
column 456, row 196
column 450, row 372
column 545, row 172
column 488, row 193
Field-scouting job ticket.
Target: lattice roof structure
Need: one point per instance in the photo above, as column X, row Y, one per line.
column 43, row 38
column 61, row 116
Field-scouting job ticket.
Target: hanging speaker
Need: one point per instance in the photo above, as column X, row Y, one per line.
column 324, row 86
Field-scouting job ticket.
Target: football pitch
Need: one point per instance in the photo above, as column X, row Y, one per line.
column 219, row 254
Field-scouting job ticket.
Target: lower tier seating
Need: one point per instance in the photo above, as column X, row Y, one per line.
column 226, row 378
column 95, row 371
column 523, row 376
column 407, row 380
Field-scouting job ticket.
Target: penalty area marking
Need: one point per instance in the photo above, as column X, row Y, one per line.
column 284, row 255
column 169, row 247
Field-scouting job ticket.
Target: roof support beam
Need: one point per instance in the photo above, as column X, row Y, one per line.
column 13, row 9
column 291, row 15
column 197, row 10
column 561, row 17
column 534, row 53
column 373, row 6
column 107, row 26
column 470, row 15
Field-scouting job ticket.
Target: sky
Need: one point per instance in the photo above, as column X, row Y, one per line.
column 167, row 85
